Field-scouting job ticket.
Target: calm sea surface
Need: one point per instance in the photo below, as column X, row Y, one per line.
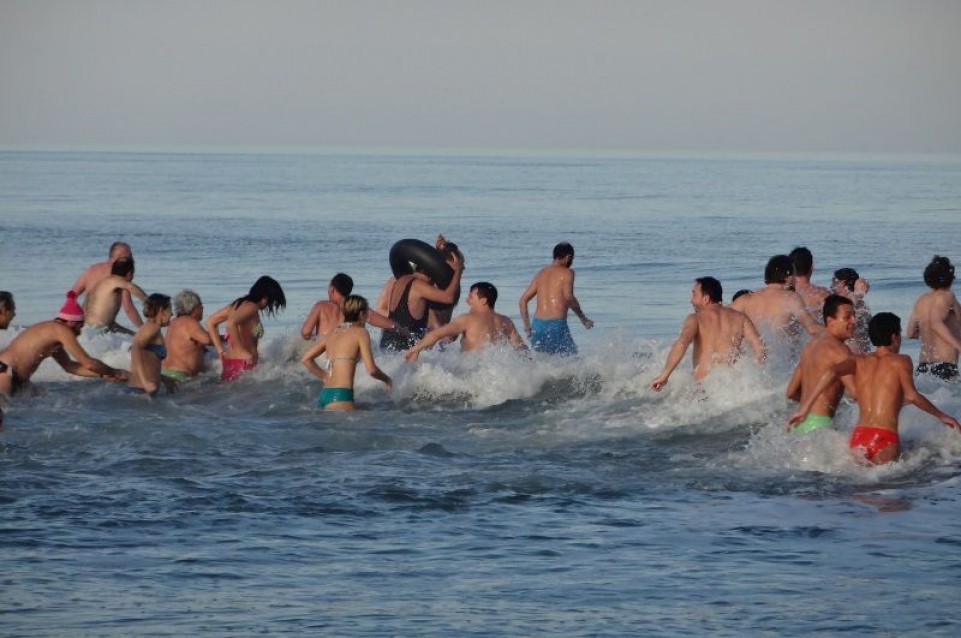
column 490, row 494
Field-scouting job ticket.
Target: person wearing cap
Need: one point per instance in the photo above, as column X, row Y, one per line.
column 848, row 283
column 55, row 338
column 936, row 320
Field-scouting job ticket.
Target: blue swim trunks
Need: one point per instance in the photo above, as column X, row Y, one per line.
column 552, row 336
column 334, row 395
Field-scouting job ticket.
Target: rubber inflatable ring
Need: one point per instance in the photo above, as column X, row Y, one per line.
column 429, row 260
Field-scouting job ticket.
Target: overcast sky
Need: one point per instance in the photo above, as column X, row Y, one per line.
column 633, row 75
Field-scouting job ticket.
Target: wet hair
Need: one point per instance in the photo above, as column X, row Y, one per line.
column 740, row 293
column 803, row 261
column 882, row 328
column 117, row 245
column 354, row 306
column 6, row 300
column 779, row 268
column 122, row 268
column 154, row 304
column 711, row 287
column 265, row 288
column 562, row 250
column 342, row 283
column 832, row 303
column 939, row 273
column 847, row 276
column 487, row 291
column 186, row 302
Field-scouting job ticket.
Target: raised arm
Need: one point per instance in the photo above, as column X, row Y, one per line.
column 678, row 350
column 445, row 295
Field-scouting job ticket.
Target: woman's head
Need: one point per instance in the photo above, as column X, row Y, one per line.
column 156, row 304
column 354, row 307
column 268, row 292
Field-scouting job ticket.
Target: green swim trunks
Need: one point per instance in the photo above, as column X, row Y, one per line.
column 177, row 375
column 334, row 395
column 814, row 422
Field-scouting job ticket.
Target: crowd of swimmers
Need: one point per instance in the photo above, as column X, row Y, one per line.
column 849, row 350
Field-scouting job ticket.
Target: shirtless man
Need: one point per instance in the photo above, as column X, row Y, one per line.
column 103, row 300
column 822, row 352
column 936, row 319
column 478, row 327
column 8, row 309
column 812, row 296
column 553, row 286
column 56, row 338
column 775, row 309
column 186, row 338
column 328, row 314
column 716, row 331
column 99, row 271
column 883, row 385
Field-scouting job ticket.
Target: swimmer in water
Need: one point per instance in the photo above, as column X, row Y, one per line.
column 244, row 327
column 553, row 285
column 148, row 349
column 883, row 385
column 344, row 345
column 936, row 320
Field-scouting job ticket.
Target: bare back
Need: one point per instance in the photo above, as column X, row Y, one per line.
column 812, row 296
column 936, row 319
column 720, row 333
column 553, row 286
column 186, row 340
column 324, row 317
column 881, row 380
column 482, row 328
column 776, row 310
column 817, row 357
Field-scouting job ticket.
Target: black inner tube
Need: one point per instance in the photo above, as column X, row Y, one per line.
column 428, row 260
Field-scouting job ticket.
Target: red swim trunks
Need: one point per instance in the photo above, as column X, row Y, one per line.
column 234, row 368
column 872, row 439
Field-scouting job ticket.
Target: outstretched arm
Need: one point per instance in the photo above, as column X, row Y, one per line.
column 844, row 367
column 915, row 398
column 452, row 329
column 678, row 350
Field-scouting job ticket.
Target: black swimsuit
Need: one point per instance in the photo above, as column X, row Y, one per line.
column 392, row 340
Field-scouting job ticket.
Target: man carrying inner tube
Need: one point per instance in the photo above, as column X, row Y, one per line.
column 553, row 286
column 407, row 305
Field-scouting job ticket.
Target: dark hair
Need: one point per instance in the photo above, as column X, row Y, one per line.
column 803, row 261
column 155, row 303
column 118, row 244
column 562, row 250
column 778, row 269
column 939, row 273
column 342, row 283
column 847, row 276
column 882, row 328
column 122, row 268
column 265, row 288
column 711, row 287
column 740, row 293
column 487, row 291
column 6, row 300
column 450, row 249
column 832, row 303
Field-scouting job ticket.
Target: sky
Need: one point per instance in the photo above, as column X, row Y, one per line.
column 861, row 76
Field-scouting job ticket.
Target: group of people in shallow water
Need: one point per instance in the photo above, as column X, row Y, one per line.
column 415, row 313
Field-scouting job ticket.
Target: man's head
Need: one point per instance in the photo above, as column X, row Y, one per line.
column 564, row 252
column 8, row 310
column 845, row 278
column 740, row 293
column 123, row 268
column 486, row 292
column 354, row 308
column 803, row 261
column 71, row 313
column 187, row 302
column 707, row 290
column 839, row 318
column 119, row 250
column 884, row 329
column 779, row 270
column 341, row 284
column 939, row 273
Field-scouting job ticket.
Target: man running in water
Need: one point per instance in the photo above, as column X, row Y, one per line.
column 776, row 309
column 100, row 271
column 883, row 384
column 104, row 299
column 822, row 352
column 936, row 320
column 553, row 286
column 812, row 296
column 716, row 332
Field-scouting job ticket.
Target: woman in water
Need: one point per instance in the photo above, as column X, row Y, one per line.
column 148, row 349
column 344, row 345
column 244, row 328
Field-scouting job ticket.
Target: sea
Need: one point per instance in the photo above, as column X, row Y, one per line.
column 492, row 493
